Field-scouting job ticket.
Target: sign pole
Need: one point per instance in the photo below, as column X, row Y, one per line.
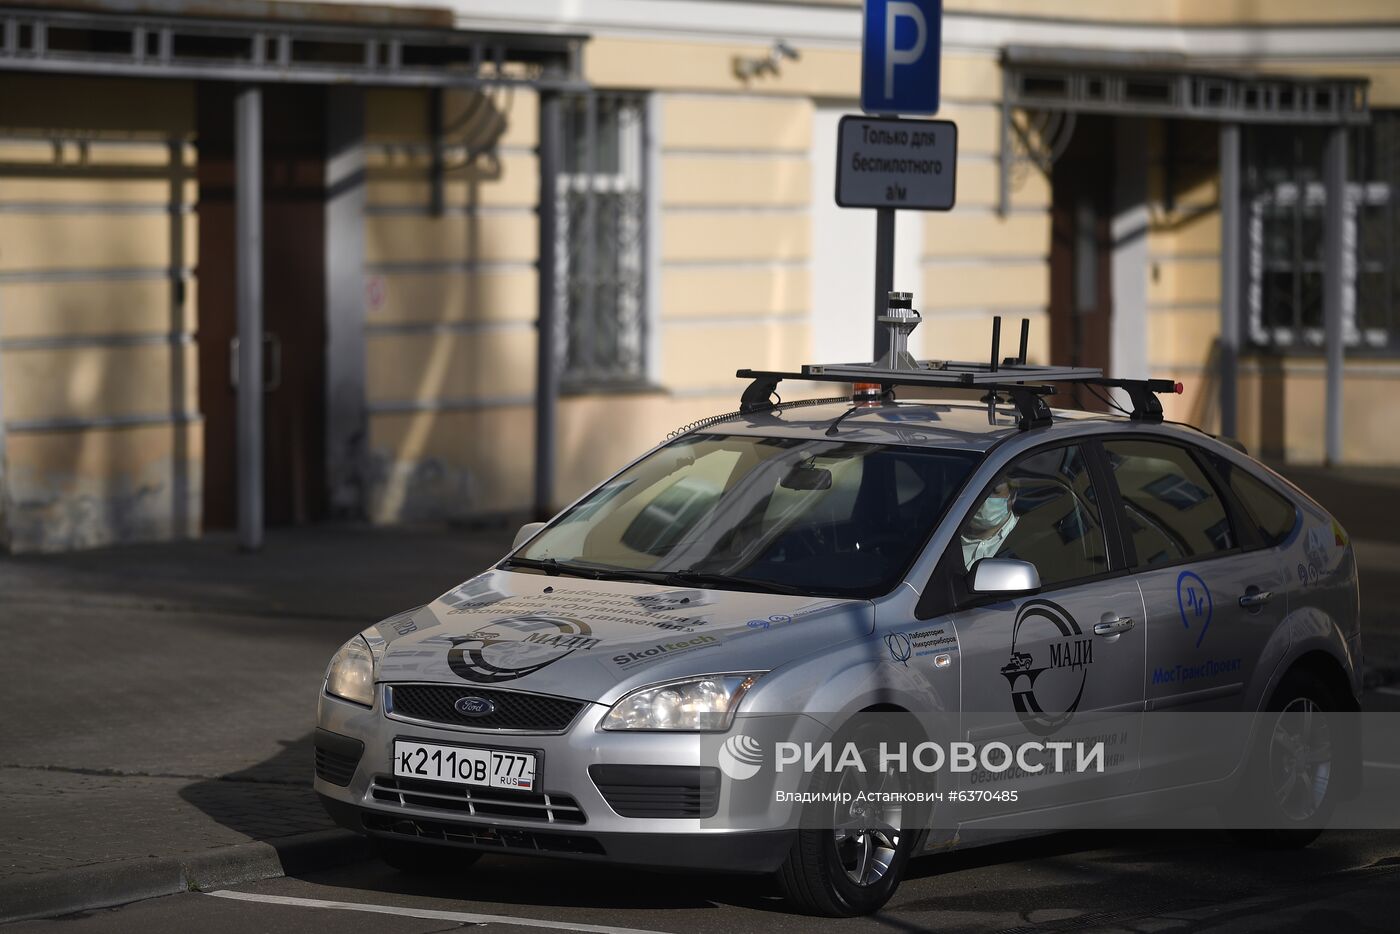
column 887, row 163
column 884, row 274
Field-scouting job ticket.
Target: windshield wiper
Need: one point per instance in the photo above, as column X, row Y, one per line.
column 553, row 567
column 703, row 579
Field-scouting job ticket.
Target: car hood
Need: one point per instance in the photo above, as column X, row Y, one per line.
column 594, row 640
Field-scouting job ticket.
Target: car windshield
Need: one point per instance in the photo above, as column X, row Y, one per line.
column 786, row 515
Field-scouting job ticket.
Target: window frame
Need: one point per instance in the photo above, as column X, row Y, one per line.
column 636, row 174
column 1302, row 193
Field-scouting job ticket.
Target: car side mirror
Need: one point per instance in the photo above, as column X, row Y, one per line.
column 527, row 531
column 1004, row 576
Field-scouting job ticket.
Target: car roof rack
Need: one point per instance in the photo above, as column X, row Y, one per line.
column 1025, row 384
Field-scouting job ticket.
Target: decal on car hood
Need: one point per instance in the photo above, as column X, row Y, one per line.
column 582, row 638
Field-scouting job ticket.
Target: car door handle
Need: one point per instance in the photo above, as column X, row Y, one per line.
column 1256, row 599
column 1112, row 627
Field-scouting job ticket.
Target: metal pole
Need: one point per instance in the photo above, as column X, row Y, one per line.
column 547, row 361
column 1333, row 287
column 248, row 242
column 1229, row 277
column 884, row 274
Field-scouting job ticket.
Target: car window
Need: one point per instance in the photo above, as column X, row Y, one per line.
column 1172, row 510
column 1270, row 512
column 826, row 517
column 1041, row 509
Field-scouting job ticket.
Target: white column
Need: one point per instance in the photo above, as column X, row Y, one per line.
column 1128, row 273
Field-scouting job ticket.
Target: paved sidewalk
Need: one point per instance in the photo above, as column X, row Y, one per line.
column 160, row 701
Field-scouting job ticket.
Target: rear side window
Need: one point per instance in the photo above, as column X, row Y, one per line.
column 1272, row 514
column 1171, row 509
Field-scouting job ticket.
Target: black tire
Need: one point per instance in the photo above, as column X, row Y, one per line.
column 815, row 880
column 424, row 859
column 1298, row 820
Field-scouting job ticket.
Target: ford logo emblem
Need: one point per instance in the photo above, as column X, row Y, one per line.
column 474, row 706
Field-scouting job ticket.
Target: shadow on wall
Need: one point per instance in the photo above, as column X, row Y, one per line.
column 98, row 304
column 447, row 330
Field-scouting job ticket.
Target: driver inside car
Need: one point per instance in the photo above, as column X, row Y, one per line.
column 986, row 532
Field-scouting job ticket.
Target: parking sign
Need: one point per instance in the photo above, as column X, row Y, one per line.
column 900, row 55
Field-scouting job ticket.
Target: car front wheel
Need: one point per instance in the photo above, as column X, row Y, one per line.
column 850, row 859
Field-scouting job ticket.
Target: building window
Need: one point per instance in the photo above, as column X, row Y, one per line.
column 1284, row 230
column 602, row 241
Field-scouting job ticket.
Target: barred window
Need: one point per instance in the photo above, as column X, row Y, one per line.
column 602, row 241
column 1284, row 237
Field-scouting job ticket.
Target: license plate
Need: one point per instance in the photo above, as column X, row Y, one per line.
column 465, row 765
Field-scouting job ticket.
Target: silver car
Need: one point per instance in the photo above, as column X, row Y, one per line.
column 804, row 564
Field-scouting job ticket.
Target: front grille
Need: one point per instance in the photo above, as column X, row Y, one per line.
column 508, row 838
column 336, row 757
column 476, row 802
column 513, row 710
column 658, row 790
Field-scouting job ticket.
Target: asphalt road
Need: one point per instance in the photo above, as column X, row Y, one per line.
column 1197, row 881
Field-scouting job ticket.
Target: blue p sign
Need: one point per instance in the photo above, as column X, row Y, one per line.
column 900, row 56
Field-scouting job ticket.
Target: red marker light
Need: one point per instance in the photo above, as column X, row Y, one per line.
column 865, row 393
column 1179, row 389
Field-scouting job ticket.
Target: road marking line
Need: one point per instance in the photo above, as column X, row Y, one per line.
column 1382, row 765
column 460, row 916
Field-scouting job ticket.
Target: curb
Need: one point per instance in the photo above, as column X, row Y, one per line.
column 103, row 885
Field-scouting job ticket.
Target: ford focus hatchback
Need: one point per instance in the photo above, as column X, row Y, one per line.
column 741, row 652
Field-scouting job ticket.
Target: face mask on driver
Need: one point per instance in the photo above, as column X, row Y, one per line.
column 992, row 513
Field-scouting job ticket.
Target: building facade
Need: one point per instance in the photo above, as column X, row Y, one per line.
column 690, row 230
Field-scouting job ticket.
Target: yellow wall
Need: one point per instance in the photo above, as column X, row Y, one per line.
column 87, row 309
column 1203, row 12
column 98, row 372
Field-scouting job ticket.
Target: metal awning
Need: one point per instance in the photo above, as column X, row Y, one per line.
column 300, row 43
column 1055, row 85
column 1153, row 84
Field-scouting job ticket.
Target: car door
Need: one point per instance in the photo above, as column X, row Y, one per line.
column 1212, row 596
column 1050, row 666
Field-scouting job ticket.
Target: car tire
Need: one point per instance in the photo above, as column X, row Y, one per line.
column 424, row 859
column 1289, row 790
column 819, row 875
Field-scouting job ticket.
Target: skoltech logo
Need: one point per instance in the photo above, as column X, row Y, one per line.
column 740, row 757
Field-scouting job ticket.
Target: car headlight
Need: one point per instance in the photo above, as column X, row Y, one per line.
column 351, row 674
column 706, row 703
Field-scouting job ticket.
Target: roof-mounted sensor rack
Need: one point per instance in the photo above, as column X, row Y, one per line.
column 1025, row 384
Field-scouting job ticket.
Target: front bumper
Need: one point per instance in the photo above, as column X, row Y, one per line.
column 583, row 807
column 755, row 852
